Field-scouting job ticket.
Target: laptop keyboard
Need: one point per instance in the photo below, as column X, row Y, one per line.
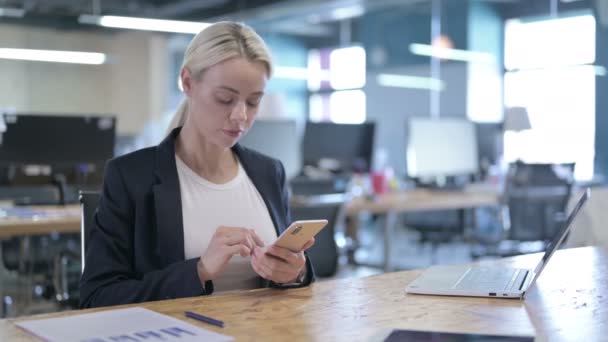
column 482, row 278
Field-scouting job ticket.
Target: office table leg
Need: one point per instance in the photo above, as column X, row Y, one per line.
column 26, row 267
column 351, row 232
column 389, row 228
column 6, row 299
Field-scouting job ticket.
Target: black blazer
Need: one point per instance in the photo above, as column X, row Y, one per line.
column 135, row 252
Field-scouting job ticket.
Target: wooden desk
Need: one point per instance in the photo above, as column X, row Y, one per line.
column 423, row 199
column 393, row 204
column 53, row 219
column 66, row 219
column 568, row 303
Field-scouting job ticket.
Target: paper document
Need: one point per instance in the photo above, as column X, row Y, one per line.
column 124, row 325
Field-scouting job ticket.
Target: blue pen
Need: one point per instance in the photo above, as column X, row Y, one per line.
column 204, row 319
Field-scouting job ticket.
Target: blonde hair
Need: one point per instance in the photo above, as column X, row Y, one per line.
column 215, row 44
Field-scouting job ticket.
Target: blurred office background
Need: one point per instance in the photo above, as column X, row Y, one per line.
column 426, row 131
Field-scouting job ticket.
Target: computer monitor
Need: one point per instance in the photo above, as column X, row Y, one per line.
column 441, row 148
column 56, row 140
column 351, row 145
column 63, row 149
column 278, row 139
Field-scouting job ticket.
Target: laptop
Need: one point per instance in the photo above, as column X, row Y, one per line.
column 488, row 281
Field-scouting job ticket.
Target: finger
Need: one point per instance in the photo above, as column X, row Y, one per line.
column 245, row 252
column 250, row 242
column 283, row 253
column 309, row 244
column 258, row 266
column 225, row 231
column 266, row 271
column 258, row 253
column 256, row 238
column 255, row 264
column 237, row 236
column 241, row 249
column 275, row 264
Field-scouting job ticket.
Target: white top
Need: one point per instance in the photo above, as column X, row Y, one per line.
column 206, row 206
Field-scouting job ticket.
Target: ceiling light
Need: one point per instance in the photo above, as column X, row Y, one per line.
column 134, row 23
column 452, row 54
column 56, row 56
column 12, row 12
column 349, row 12
column 414, row 82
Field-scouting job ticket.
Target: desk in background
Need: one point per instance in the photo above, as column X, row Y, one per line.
column 38, row 220
column 393, row 204
column 66, row 219
column 568, row 303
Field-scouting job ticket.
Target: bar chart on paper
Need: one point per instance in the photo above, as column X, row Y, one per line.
column 132, row 324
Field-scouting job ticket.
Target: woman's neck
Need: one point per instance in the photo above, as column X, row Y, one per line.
column 213, row 163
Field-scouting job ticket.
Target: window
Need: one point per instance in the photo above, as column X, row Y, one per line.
column 335, row 78
column 549, row 72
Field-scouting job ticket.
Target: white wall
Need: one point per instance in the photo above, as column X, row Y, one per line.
column 13, row 84
column 131, row 86
column 391, row 107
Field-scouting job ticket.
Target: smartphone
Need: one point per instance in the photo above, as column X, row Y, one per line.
column 298, row 233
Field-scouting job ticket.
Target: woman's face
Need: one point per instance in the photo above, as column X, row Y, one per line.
column 224, row 101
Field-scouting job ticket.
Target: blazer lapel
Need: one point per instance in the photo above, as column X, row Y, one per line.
column 260, row 180
column 168, row 205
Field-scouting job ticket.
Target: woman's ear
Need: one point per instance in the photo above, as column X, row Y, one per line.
column 186, row 81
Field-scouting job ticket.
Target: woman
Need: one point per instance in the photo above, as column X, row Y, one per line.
column 198, row 211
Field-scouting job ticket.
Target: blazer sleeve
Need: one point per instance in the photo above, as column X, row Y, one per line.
column 310, row 274
column 109, row 277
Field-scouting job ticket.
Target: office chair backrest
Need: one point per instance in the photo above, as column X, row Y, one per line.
column 30, row 194
column 89, row 201
column 324, row 254
column 541, row 174
column 537, row 194
column 305, row 186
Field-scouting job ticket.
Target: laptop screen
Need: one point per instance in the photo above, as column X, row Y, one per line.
column 560, row 236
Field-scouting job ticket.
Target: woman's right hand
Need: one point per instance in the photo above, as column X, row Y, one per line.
column 226, row 242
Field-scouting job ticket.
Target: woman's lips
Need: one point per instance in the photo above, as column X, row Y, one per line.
column 233, row 133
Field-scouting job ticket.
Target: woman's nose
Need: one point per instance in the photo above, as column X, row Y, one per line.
column 239, row 112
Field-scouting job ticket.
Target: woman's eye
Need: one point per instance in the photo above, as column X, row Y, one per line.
column 253, row 102
column 224, row 101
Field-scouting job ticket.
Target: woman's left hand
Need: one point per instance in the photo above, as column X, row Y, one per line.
column 279, row 264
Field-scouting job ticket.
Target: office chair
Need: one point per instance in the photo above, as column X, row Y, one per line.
column 89, row 200
column 69, row 264
column 324, row 253
column 37, row 263
column 535, row 199
column 436, row 227
column 302, row 185
column 30, row 258
column 537, row 196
